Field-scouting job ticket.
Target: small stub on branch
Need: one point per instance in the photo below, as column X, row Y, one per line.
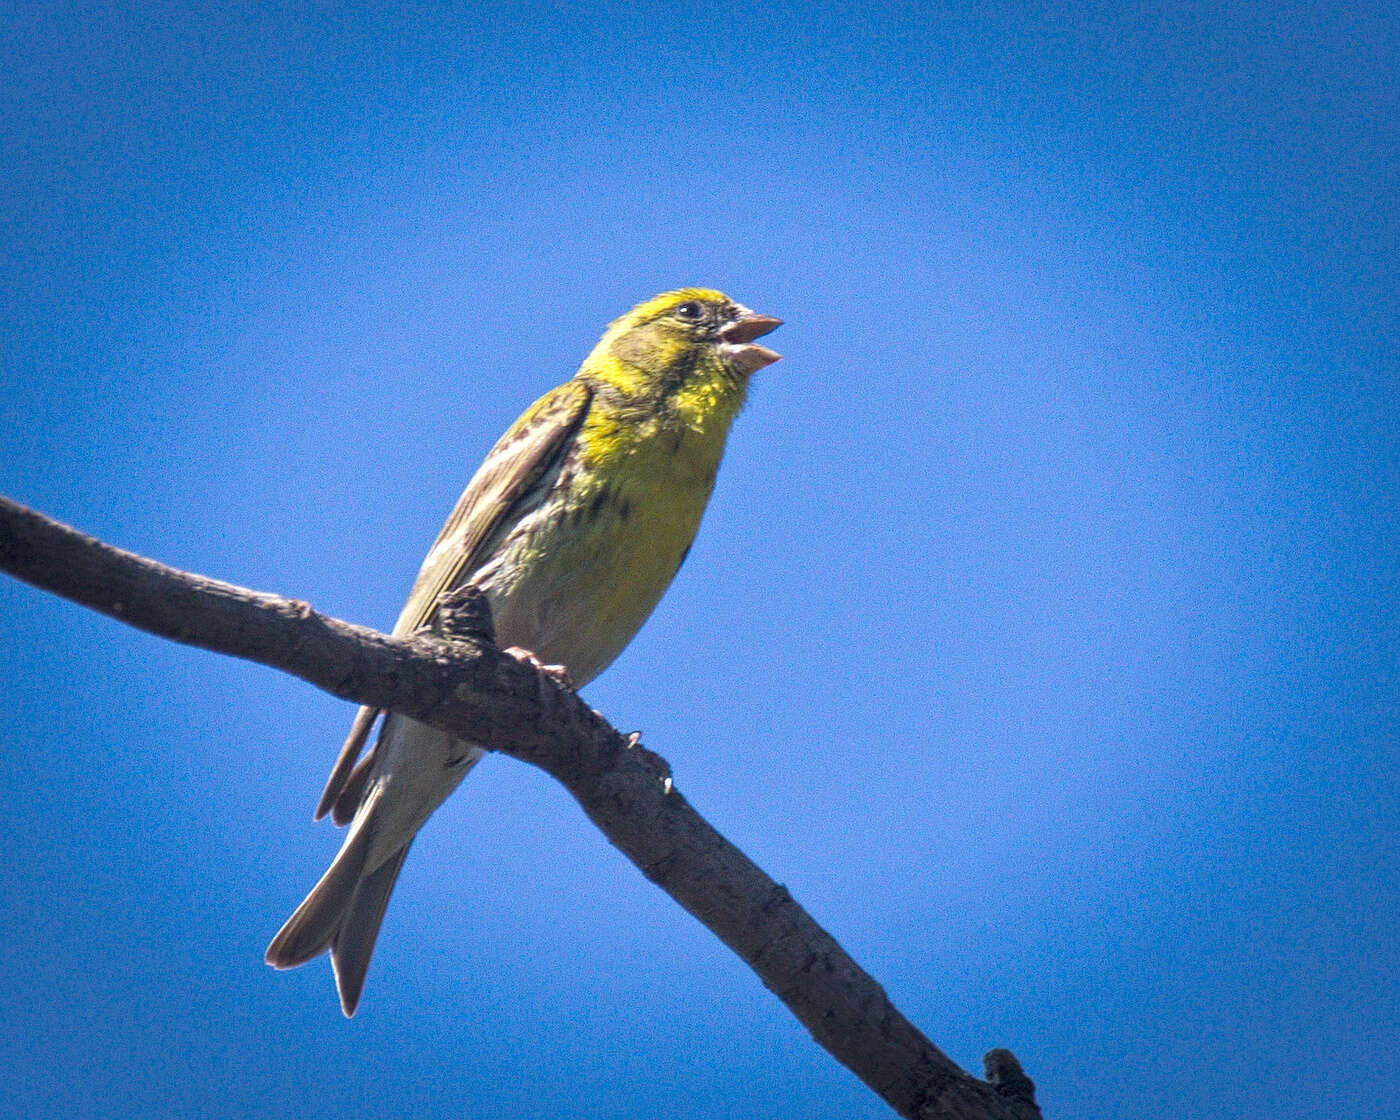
column 465, row 612
column 1005, row 1074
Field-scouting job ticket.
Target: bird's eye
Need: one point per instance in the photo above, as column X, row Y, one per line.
column 690, row 311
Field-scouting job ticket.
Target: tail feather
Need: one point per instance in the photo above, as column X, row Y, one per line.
column 416, row 767
column 342, row 913
column 352, row 792
column 353, row 942
column 310, row 930
column 345, row 761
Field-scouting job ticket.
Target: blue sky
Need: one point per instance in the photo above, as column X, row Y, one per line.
column 1040, row 637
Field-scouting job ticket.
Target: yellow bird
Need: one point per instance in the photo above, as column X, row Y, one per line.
column 573, row 527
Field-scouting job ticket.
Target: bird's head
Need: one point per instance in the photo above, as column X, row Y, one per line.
column 688, row 340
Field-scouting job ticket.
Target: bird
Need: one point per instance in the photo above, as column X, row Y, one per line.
column 572, row 528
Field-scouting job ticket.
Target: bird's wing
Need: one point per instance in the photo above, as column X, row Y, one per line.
column 495, row 498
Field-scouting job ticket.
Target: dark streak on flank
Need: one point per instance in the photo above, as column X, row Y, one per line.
column 600, row 500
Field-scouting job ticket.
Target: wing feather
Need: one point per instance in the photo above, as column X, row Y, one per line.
column 496, row 497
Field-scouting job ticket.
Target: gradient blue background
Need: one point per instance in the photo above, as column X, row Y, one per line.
column 1041, row 636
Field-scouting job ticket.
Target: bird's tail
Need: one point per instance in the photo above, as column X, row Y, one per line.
column 342, row 913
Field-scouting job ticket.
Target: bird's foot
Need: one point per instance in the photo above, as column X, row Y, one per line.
column 553, row 672
column 557, row 673
column 651, row 760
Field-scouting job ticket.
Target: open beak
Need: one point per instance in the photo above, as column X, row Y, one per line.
column 737, row 345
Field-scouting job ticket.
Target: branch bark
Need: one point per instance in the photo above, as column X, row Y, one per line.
column 463, row 684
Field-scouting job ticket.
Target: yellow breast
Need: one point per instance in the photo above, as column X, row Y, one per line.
column 581, row 574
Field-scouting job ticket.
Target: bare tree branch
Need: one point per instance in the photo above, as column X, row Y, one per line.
column 470, row 688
